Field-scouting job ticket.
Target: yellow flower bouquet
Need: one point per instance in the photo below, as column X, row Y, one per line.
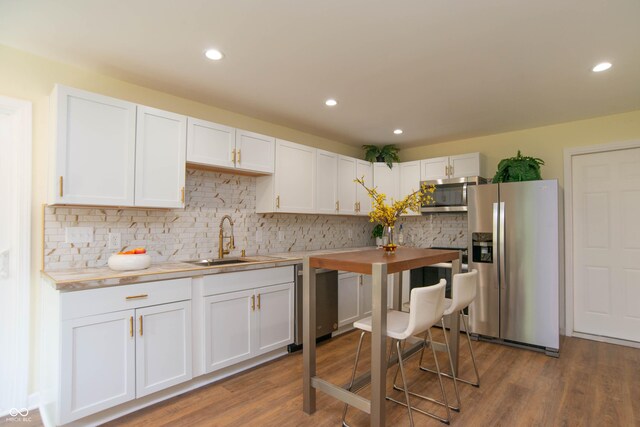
column 388, row 213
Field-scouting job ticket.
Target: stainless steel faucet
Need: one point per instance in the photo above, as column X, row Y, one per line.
column 222, row 251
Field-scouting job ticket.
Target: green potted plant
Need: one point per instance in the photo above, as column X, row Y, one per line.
column 376, row 233
column 519, row 168
column 387, row 154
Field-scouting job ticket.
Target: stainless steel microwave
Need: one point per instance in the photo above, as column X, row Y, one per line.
column 450, row 195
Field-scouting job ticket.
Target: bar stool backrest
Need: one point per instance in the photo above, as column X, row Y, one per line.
column 464, row 289
column 426, row 308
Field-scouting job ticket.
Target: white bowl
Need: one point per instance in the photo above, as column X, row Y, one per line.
column 129, row 262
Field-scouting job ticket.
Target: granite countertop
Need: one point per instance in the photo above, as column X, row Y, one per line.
column 90, row 278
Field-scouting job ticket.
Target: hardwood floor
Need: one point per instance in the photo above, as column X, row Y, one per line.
column 591, row 384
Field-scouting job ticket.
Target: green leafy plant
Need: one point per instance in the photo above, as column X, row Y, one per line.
column 519, row 168
column 386, row 153
column 377, row 231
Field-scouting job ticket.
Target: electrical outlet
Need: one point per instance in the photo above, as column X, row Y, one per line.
column 115, row 241
column 280, row 236
column 350, row 233
column 78, row 235
column 259, row 236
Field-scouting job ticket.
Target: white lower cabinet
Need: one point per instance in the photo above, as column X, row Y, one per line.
column 355, row 297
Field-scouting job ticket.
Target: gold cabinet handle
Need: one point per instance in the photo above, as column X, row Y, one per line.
column 337, row 205
column 451, row 170
column 140, row 325
column 61, row 191
column 131, row 326
column 233, row 156
column 258, row 301
column 253, row 303
column 239, row 158
column 182, row 197
column 136, row 296
column 277, row 202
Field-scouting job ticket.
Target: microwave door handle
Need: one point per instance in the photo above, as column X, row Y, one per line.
column 464, row 194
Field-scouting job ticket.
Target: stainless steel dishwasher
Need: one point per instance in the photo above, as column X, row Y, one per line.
column 326, row 305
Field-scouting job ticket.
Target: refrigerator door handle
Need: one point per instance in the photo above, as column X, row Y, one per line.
column 502, row 253
column 496, row 260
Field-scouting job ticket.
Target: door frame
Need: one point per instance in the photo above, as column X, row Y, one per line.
column 21, row 111
column 569, row 153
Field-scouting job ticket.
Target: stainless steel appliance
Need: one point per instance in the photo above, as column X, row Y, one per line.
column 514, row 243
column 326, row 305
column 450, row 195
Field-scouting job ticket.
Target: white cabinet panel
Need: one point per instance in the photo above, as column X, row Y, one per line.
column 254, row 152
column 295, row 177
column 465, row 165
column 228, row 328
column 346, row 186
column 97, row 364
column 364, row 170
column 94, row 149
column 160, row 158
column 348, row 298
column 409, row 181
column 163, row 346
column 274, row 311
column 327, row 182
column 435, row 168
column 210, row 143
column 387, row 181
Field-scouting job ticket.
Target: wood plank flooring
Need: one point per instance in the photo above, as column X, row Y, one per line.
column 591, row 384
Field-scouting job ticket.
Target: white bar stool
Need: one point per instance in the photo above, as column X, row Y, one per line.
column 464, row 290
column 427, row 308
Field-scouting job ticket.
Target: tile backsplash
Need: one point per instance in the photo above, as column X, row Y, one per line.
column 191, row 233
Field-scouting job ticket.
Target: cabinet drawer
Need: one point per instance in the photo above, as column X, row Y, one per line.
column 106, row 300
column 242, row 280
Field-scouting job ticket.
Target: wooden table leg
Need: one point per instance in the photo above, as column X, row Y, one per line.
column 378, row 344
column 308, row 336
column 454, row 324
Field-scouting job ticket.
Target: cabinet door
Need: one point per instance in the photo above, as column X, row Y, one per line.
column 295, row 177
column 227, row 329
column 254, row 152
column 95, row 149
column 465, row 165
column 387, row 180
column 274, row 312
column 210, row 144
column 435, row 168
column 409, row 181
column 366, row 295
column 163, row 346
column 346, row 186
column 348, row 298
column 364, row 170
column 160, row 158
column 97, row 364
column 327, row 182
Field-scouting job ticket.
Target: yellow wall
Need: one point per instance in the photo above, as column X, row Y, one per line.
column 545, row 142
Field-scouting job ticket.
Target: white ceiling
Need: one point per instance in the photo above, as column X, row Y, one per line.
column 439, row 69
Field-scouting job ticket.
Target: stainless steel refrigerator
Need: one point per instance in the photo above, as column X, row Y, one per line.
column 514, row 243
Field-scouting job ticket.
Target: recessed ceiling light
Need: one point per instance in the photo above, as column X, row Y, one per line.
column 331, row 102
column 603, row 66
column 398, row 131
column 213, row 54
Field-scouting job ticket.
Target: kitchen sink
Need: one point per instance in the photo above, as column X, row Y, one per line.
column 216, row 262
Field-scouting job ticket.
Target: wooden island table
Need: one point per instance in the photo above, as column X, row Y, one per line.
column 378, row 264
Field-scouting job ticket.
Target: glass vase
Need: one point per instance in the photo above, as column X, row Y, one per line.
column 390, row 245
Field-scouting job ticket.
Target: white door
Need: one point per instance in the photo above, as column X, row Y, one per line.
column 348, row 298
column 15, row 226
column 254, row 152
column 97, row 363
column 346, row 186
column 274, row 311
column 228, row 325
column 606, row 243
column 161, row 141
column 364, row 170
column 295, row 177
column 387, row 181
column 95, row 139
column 464, row 165
column 210, row 144
column 327, row 182
column 163, row 346
column 435, row 168
column 409, row 181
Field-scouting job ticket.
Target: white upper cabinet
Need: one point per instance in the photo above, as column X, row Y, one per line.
column 160, row 158
column 210, row 143
column 327, row 182
column 94, row 157
column 387, row 181
column 346, row 186
column 254, row 152
column 409, row 180
column 463, row 165
column 364, row 169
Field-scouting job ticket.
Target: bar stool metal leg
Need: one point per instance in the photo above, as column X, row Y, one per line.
column 353, row 377
column 404, row 383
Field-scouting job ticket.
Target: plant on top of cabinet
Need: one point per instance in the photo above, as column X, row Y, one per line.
column 387, row 154
column 519, row 168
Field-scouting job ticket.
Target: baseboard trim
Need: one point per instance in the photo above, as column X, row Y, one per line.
column 607, row 340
